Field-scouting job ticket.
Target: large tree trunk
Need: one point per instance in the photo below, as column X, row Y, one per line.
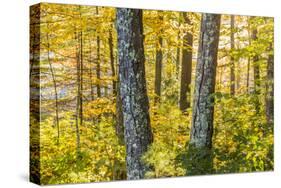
column 119, row 128
column 269, row 87
column 186, row 68
column 200, row 144
column 232, row 65
column 138, row 135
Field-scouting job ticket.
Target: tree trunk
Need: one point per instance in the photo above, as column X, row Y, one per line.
column 232, row 65
column 178, row 49
column 119, row 116
column 270, row 87
column 158, row 64
column 98, row 67
column 98, row 61
column 186, row 68
column 248, row 74
column 256, row 73
column 55, row 89
column 81, row 79
column 135, row 105
column 200, row 159
column 110, row 43
column 78, row 97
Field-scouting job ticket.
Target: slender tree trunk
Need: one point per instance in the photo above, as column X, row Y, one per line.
column 248, row 75
column 56, row 92
column 186, row 68
column 232, row 64
column 81, row 79
column 110, row 43
column 158, row 64
column 178, row 50
column 256, row 73
column 135, row 105
column 200, row 145
column 77, row 127
column 91, row 73
column 98, row 61
column 270, row 87
column 249, row 59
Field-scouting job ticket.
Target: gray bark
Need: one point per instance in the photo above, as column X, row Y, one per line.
column 186, row 67
column 203, row 102
column 135, row 105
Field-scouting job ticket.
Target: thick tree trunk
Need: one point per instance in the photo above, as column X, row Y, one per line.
column 270, row 87
column 232, row 65
column 200, row 159
column 119, row 128
column 158, row 64
column 138, row 134
column 186, row 68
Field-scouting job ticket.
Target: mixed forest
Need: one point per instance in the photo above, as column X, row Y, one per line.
column 120, row 93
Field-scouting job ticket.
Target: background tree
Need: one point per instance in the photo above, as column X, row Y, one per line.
column 186, row 68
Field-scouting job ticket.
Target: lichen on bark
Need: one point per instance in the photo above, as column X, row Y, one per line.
column 133, row 92
column 203, row 102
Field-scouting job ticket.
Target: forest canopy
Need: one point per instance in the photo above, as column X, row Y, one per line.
column 120, row 93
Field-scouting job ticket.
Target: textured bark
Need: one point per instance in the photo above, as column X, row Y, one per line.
column 119, row 128
column 270, row 87
column 135, row 105
column 232, row 65
column 203, row 103
column 158, row 64
column 186, row 68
